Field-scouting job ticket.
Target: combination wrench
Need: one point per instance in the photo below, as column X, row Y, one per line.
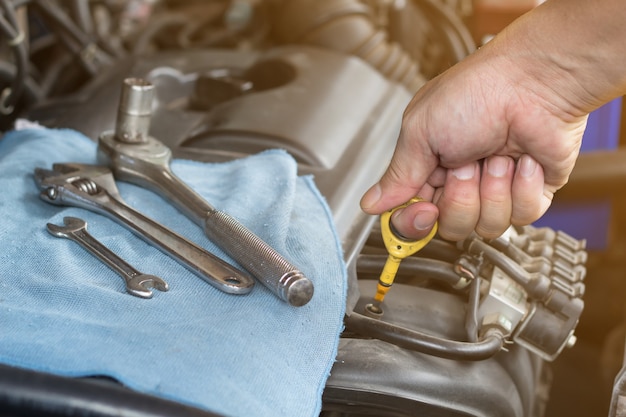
column 93, row 188
column 137, row 284
column 136, row 157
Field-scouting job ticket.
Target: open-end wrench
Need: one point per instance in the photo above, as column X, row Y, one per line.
column 93, row 188
column 137, row 284
column 136, row 157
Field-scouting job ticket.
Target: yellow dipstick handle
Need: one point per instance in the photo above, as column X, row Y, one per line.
column 398, row 249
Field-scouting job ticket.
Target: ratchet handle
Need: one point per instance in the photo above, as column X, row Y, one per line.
column 258, row 258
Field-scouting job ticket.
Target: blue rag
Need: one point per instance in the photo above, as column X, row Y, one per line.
column 63, row 311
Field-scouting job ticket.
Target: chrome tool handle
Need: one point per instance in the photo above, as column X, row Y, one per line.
column 212, row 269
column 257, row 257
column 147, row 165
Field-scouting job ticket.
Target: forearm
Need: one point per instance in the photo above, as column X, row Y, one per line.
column 572, row 53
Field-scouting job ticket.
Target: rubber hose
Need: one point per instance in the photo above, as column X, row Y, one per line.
column 11, row 30
column 456, row 35
column 421, row 267
column 536, row 285
column 28, row 393
column 345, row 26
column 424, row 343
column 82, row 15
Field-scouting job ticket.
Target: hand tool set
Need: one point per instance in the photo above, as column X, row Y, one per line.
column 130, row 154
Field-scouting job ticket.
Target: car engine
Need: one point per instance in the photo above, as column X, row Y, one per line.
column 469, row 328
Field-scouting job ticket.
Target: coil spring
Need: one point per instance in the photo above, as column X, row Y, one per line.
column 86, row 185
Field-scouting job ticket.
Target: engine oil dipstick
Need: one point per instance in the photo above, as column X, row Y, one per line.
column 398, row 249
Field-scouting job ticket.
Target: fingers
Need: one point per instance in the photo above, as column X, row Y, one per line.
column 459, row 203
column 416, row 220
column 495, row 196
column 391, row 191
column 486, row 201
column 530, row 200
column 457, row 208
column 407, row 174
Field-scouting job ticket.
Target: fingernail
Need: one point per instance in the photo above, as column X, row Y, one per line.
column 527, row 166
column 371, row 197
column 497, row 167
column 464, row 173
column 424, row 220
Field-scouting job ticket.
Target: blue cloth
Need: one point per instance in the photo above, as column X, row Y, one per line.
column 64, row 312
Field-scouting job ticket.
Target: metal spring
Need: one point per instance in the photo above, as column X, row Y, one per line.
column 86, row 185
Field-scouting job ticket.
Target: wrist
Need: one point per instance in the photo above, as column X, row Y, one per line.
column 571, row 54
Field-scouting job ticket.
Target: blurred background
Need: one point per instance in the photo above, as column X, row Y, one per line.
column 59, row 59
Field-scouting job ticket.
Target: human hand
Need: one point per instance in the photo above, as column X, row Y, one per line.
column 485, row 144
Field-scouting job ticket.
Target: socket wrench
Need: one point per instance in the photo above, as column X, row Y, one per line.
column 136, row 157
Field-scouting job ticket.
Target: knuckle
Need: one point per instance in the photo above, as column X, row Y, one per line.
column 453, row 234
column 457, row 226
column 491, row 230
column 524, row 215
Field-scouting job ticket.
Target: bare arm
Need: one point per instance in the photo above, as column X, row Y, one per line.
column 492, row 139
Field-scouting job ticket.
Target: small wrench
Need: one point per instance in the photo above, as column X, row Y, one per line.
column 137, row 284
column 93, row 188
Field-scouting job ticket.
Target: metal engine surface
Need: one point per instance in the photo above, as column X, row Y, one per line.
column 339, row 116
column 335, row 114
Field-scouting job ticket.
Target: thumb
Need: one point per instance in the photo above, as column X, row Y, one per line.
column 404, row 178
